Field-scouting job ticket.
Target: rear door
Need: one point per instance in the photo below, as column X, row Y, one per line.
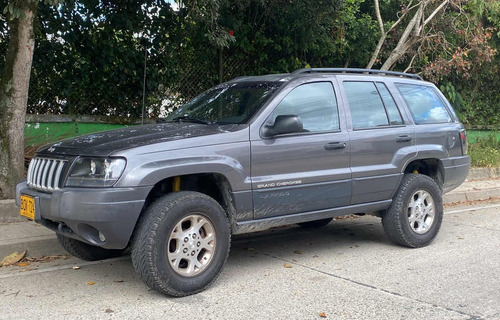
column 382, row 139
column 303, row 171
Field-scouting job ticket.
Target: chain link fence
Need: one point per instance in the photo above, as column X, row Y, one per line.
column 46, row 96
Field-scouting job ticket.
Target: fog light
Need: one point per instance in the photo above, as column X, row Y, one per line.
column 102, row 237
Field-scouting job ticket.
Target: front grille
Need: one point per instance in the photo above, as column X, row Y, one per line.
column 45, row 174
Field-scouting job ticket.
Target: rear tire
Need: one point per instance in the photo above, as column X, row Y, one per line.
column 316, row 223
column 416, row 213
column 84, row 251
column 182, row 243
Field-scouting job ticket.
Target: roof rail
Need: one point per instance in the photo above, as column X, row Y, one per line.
column 356, row 70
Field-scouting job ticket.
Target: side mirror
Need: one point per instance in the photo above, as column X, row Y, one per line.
column 283, row 124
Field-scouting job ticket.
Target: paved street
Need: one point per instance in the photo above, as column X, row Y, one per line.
column 347, row 270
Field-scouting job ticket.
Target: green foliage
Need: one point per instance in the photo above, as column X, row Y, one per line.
column 89, row 55
column 281, row 36
column 485, row 152
column 454, row 97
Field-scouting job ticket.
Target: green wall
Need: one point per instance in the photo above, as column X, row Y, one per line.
column 41, row 133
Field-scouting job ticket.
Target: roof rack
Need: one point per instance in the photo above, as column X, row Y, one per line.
column 356, row 70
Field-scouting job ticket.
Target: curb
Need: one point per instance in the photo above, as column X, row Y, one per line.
column 464, row 196
column 30, row 236
column 35, row 247
column 9, row 212
column 483, row 174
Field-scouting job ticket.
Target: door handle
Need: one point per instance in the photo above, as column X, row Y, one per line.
column 334, row 145
column 403, row 138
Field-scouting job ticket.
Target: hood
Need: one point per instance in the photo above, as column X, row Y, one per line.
column 107, row 142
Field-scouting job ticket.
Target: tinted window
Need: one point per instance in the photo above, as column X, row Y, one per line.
column 390, row 105
column 314, row 103
column 424, row 104
column 367, row 109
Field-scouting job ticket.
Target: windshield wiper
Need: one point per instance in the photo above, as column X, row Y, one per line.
column 190, row 119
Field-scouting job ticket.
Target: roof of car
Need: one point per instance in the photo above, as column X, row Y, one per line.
column 263, row 78
column 309, row 71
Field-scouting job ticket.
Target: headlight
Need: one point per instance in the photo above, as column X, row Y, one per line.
column 95, row 172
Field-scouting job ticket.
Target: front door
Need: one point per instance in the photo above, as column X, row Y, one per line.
column 303, row 171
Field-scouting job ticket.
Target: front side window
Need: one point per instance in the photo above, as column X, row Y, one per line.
column 424, row 103
column 314, row 103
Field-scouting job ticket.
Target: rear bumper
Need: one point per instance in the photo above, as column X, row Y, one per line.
column 455, row 172
column 89, row 214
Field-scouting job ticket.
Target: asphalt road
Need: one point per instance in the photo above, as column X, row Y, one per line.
column 347, row 270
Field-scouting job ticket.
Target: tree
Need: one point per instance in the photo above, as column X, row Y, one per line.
column 417, row 15
column 14, row 94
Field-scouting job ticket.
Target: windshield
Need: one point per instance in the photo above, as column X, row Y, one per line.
column 233, row 103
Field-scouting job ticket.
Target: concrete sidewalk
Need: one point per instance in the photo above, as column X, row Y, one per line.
column 18, row 234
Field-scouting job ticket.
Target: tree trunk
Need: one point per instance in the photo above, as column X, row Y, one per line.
column 397, row 54
column 14, row 87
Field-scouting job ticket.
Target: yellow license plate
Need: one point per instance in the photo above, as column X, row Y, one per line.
column 28, row 207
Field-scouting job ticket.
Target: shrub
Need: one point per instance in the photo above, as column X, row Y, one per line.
column 485, row 152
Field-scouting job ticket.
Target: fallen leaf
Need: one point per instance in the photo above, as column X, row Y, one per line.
column 297, row 252
column 322, row 315
column 460, row 238
column 91, row 283
column 287, row 265
column 12, row 258
column 23, row 264
column 250, row 249
column 76, row 268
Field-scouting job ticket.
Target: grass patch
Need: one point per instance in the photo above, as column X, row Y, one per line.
column 473, row 135
column 485, row 150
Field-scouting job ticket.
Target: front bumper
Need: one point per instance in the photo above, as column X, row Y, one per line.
column 89, row 214
column 455, row 172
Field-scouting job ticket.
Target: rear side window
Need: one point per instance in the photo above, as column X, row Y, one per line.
column 390, row 105
column 424, row 103
column 314, row 103
column 371, row 105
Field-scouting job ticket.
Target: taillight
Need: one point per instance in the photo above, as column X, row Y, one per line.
column 463, row 137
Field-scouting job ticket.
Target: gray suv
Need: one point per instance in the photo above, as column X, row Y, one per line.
column 247, row 155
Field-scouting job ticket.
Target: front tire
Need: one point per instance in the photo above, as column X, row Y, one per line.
column 416, row 213
column 84, row 251
column 182, row 243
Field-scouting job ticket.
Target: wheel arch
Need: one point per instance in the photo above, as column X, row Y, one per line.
column 431, row 167
column 212, row 184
